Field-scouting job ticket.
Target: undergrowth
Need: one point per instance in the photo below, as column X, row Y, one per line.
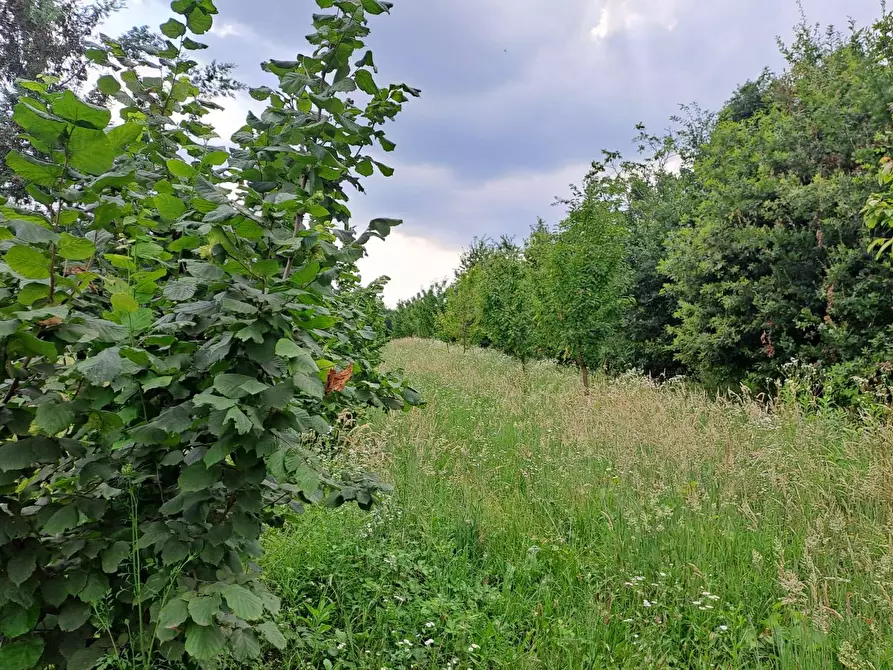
column 643, row 527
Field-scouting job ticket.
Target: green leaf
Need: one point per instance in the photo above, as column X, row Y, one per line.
column 88, row 658
column 157, row 383
column 306, row 274
column 169, row 206
column 81, row 113
column 185, row 243
column 38, row 123
column 244, row 644
column 240, row 420
column 28, row 262
column 31, row 293
column 180, row 290
column 65, row 518
column 105, row 367
column 90, row 151
column 96, row 589
column 16, row 620
column 173, row 29
column 112, row 557
column 173, row 614
column 53, row 417
column 198, row 477
column 35, row 346
column 21, row 566
column 124, row 135
column 203, row 609
column 365, row 168
column 21, row 654
column 386, row 170
column 75, row 248
column 365, row 82
column 243, row 602
column 108, row 84
column 272, row 634
column 33, row 233
column 230, row 385
column 124, row 302
column 192, row 45
column 32, row 170
column 20, row 454
column 74, row 614
column 215, row 158
column 182, row 6
column 199, row 22
column 266, row 268
column 204, row 642
column 180, row 169
column 309, row 384
column 288, row 349
column 375, row 6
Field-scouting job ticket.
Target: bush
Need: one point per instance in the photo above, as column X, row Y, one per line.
column 172, row 343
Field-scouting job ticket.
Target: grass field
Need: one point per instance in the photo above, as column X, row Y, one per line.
column 640, row 528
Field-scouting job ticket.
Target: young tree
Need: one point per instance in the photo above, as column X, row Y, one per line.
column 461, row 318
column 174, row 336
column 507, row 315
column 585, row 273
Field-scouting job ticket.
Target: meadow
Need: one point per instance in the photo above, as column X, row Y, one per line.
column 641, row 527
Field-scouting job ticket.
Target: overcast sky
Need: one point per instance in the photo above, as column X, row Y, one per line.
column 518, row 97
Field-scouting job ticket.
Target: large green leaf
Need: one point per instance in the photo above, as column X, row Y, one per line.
column 66, row 517
column 243, row 602
column 38, row 123
column 28, row 262
column 32, row 233
column 16, row 620
column 198, row 477
column 173, row 615
column 108, row 84
column 81, row 113
column 124, row 135
column 199, row 22
column 21, row 654
column 24, row 453
column 75, row 248
column 21, row 566
column 34, row 171
column 272, row 634
column 173, row 29
column 74, row 614
column 244, row 644
column 203, row 609
column 204, row 642
column 53, row 417
column 169, row 206
column 91, row 151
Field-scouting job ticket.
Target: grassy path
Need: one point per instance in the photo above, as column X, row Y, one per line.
column 641, row 528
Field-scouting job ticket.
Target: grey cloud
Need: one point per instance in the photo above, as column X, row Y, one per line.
column 517, row 94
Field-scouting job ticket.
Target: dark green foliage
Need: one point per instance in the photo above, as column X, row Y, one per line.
column 774, row 266
column 418, row 316
column 179, row 325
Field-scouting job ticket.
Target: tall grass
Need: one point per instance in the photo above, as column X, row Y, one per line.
column 641, row 527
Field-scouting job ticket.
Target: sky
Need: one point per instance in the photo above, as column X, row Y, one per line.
column 518, row 97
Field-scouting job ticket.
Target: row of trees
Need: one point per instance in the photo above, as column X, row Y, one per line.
column 734, row 249
column 181, row 323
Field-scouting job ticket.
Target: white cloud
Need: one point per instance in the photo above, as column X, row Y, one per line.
column 411, row 262
column 618, row 16
column 232, row 30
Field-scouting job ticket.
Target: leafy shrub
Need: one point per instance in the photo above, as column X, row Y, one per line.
column 174, row 330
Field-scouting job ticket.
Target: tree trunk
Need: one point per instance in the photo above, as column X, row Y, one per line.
column 584, row 371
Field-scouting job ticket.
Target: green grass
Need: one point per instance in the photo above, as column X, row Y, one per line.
column 640, row 528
